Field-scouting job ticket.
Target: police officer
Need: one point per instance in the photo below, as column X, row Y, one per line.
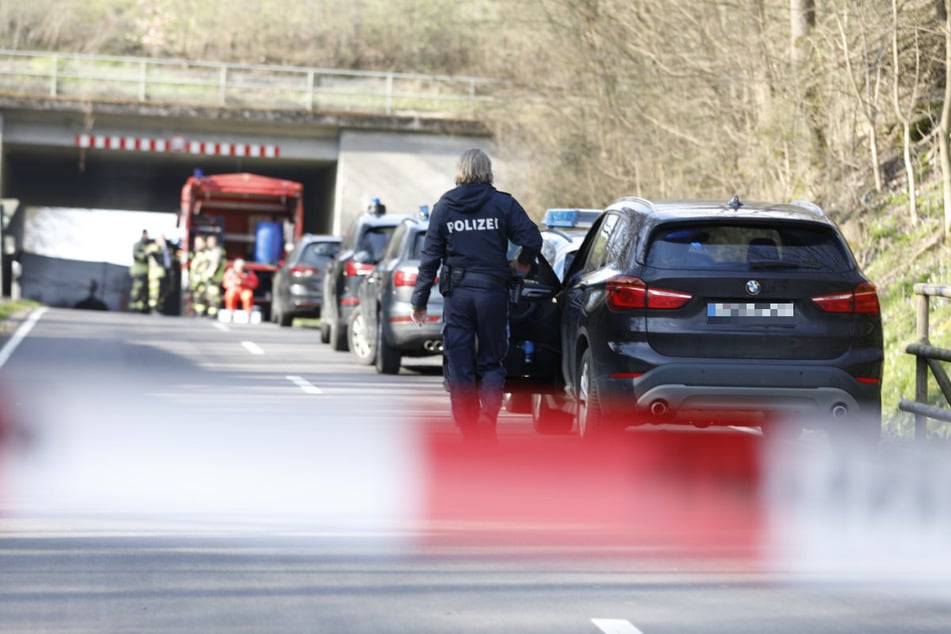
column 469, row 232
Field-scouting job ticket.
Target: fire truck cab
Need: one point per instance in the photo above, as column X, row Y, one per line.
column 255, row 218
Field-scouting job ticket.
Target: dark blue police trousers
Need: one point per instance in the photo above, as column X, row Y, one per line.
column 475, row 342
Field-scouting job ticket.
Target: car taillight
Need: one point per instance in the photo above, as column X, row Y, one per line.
column 626, row 293
column 863, row 299
column 352, row 268
column 302, row 270
column 405, row 277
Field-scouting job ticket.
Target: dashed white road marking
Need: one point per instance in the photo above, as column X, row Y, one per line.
column 304, row 384
column 20, row 334
column 220, row 326
column 616, row 626
column 252, row 347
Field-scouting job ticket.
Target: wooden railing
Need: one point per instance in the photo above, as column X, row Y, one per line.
column 928, row 357
column 151, row 80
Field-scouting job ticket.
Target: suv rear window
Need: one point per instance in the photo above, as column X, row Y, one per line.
column 317, row 253
column 416, row 252
column 747, row 247
column 375, row 241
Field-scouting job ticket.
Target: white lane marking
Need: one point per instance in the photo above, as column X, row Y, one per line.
column 220, row 326
column 252, row 347
column 20, row 334
column 616, row 626
column 304, row 384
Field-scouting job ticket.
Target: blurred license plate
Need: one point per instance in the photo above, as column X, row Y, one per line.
column 744, row 309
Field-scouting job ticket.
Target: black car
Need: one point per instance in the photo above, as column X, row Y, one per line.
column 361, row 249
column 381, row 328
column 298, row 284
column 563, row 233
column 716, row 313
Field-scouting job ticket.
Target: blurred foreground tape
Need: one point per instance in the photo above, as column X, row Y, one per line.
column 691, row 493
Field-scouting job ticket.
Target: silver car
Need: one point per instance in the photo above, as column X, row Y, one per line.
column 381, row 329
column 298, row 284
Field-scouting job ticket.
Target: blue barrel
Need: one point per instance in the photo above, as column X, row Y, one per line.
column 268, row 242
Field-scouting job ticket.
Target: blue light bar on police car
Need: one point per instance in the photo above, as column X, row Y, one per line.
column 570, row 217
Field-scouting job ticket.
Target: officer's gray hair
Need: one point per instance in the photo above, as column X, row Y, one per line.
column 474, row 167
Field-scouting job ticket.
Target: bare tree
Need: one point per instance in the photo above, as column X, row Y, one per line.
column 866, row 89
column 945, row 125
column 904, row 114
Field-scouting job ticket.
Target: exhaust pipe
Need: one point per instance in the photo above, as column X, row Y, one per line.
column 658, row 407
column 840, row 410
column 432, row 345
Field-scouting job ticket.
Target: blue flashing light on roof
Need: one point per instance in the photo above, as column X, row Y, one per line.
column 570, row 218
column 424, row 212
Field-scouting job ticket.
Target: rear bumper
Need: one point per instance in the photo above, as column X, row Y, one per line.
column 732, row 393
column 412, row 340
column 303, row 299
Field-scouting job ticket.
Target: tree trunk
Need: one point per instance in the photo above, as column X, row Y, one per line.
column 904, row 118
column 802, row 15
column 945, row 151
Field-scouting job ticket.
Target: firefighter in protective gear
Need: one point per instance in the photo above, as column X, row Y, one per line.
column 197, row 277
column 469, row 232
column 139, row 272
column 239, row 283
column 217, row 262
column 159, row 261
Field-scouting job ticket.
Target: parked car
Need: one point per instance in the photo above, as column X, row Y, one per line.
column 564, row 232
column 381, row 329
column 298, row 283
column 713, row 313
column 361, row 249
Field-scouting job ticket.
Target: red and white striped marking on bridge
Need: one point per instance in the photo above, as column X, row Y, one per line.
column 176, row 144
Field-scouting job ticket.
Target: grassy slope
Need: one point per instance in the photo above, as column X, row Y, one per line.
column 903, row 255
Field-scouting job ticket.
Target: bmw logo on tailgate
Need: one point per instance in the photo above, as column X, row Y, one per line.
column 753, row 287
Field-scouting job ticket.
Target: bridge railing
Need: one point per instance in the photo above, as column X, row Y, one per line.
column 150, row 80
column 928, row 357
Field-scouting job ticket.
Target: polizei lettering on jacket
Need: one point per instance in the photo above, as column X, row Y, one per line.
column 473, row 224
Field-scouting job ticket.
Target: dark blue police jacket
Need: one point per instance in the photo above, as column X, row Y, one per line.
column 470, row 228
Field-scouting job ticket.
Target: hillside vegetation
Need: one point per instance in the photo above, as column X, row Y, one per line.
column 836, row 101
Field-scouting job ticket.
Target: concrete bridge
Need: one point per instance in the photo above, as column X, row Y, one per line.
column 124, row 133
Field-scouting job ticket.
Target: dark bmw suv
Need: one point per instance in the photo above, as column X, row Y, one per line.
column 361, row 249
column 297, row 285
column 381, row 328
column 722, row 313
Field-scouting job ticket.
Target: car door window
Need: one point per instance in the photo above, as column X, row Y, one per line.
column 598, row 252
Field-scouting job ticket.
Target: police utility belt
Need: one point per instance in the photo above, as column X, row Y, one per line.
column 452, row 277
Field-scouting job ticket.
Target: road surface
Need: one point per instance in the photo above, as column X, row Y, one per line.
column 175, row 475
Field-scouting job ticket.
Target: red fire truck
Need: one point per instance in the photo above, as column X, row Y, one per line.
column 254, row 217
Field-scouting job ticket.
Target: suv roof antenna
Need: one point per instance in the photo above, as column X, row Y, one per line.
column 735, row 202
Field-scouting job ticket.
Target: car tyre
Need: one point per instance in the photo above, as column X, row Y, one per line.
column 548, row 420
column 338, row 336
column 388, row 359
column 590, row 416
column 324, row 331
column 362, row 344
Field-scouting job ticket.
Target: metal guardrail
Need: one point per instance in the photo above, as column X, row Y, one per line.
column 928, row 357
column 150, row 80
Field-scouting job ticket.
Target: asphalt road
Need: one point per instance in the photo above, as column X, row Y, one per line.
column 175, row 475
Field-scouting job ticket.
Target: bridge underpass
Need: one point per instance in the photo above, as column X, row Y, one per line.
column 65, row 153
column 71, row 177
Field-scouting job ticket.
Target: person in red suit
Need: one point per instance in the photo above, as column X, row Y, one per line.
column 239, row 283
